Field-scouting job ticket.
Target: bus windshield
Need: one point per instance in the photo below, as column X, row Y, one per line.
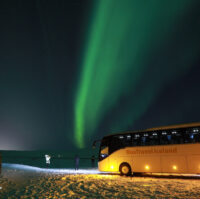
column 104, row 148
column 113, row 143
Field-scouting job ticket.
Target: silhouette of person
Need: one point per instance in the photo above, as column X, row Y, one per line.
column 93, row 161
column 47, row 157
column 76, row 162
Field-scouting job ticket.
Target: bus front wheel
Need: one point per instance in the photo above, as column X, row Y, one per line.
column 125, row 169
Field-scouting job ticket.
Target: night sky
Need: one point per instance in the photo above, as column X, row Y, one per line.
column 73, row 71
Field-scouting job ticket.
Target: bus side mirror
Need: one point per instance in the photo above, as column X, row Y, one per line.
column 94, row 143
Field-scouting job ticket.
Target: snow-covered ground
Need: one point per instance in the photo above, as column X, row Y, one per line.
column 18, row 181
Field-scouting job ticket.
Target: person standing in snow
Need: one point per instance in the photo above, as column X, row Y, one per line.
column 93, row 161
column 47, row 158
column 76, row 162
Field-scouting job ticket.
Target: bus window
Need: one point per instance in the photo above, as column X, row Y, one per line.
column 169, row 138
column 196, row 134
column 176, row 137
column 195, row 130
column 153, row 139
column 117, row 142
column 104, row 149
column 103, row 153
column 128, row 141
column 189, row 136
column 163, row 138
column 145, row 140
column 136, row 140
column 186, row 137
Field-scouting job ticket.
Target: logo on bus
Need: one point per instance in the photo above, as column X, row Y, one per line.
column 152, row 151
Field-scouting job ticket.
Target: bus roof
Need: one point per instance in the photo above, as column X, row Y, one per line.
column 194, row 124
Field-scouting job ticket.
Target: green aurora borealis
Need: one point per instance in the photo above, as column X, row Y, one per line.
column 126, row 56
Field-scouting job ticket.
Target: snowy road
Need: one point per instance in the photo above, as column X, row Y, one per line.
column 33, row 183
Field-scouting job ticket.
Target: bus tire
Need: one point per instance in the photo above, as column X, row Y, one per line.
column 125, row 169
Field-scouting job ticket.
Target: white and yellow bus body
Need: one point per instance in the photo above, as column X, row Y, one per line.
column 182, row 158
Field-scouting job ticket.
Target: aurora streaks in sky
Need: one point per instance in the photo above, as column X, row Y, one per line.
column 74, row 71
column 126, row 56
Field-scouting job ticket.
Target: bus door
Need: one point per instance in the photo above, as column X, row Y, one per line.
column 103, row 155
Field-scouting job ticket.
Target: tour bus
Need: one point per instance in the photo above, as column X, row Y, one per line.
column 169, row 149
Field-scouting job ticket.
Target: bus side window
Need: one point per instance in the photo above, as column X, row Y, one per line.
column 169, row 138
column 163, row 138
column 117, row 142
column 154, row 138
column 189, row 136
column 176, row 137
column 197, row 137
column 196, row 134
column 186, row 136
column 145, row 139
column 113, row 145
column 192, row 138
column 181, row 134
column 128, row 140
column 125, row 140
column 136, row 140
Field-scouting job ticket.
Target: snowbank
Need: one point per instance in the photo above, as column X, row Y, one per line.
column 32, row 182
